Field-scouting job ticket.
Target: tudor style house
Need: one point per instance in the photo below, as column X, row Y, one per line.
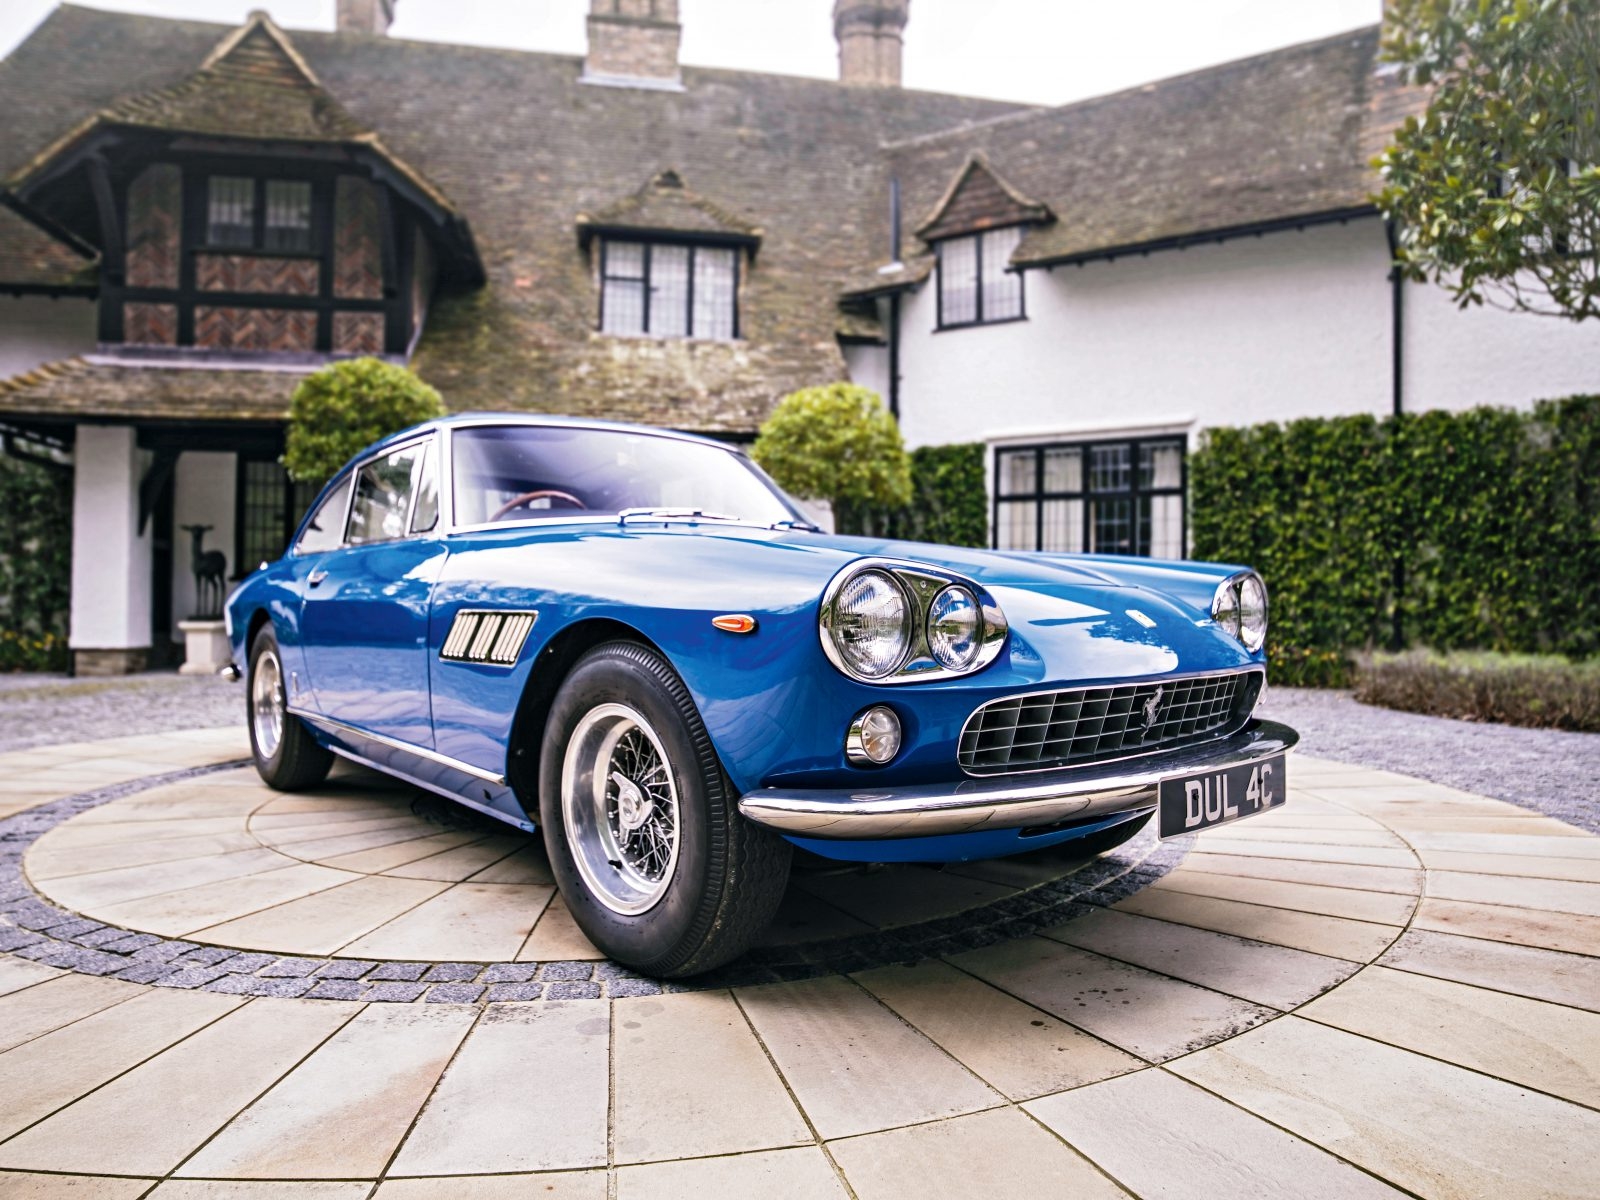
column 192, row 217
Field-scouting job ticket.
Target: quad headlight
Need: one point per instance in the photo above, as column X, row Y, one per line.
column 871, row 627
column 894, row 622
column 1240, row 606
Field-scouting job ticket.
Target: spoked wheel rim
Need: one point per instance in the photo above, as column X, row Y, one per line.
column 619, row 801
column 266, row 703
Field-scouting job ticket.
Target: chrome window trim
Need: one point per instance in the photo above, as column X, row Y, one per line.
column 444, row 760
column 411, row 503
column 1183, row 677
column 930, row 581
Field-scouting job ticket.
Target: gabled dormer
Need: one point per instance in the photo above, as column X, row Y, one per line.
column 668, row 262
column 974, row 230
column 244, row 211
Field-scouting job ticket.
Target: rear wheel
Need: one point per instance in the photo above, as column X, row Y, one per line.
column 287, row 756
column 642, row 826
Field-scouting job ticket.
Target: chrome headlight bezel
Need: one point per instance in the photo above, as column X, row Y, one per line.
column 1228, row 609
column 921, row 584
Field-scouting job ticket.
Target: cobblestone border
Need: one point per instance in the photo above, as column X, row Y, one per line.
column 32, row 927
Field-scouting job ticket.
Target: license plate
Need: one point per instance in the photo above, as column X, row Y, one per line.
column 1190, row 803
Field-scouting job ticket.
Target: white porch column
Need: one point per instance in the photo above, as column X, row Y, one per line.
column 110, row 559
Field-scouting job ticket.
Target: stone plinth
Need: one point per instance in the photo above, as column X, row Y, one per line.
column 205, row 647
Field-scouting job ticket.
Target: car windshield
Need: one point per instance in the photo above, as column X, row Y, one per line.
column 523, row 472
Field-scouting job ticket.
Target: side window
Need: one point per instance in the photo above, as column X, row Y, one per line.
column 382, row 503
column 325, row 530
column 426, row 513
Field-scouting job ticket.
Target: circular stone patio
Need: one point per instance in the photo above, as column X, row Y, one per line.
column 1389, row 984
column 365, row 890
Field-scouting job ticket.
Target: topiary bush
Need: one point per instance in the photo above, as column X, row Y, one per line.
column 343, row 408
column 837, row 443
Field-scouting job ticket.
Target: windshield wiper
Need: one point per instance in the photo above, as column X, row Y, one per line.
column 698, row 514
column 805, row 525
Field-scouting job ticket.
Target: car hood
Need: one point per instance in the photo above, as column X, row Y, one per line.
column 1069, row 619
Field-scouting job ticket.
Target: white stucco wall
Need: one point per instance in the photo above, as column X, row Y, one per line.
column 110, row 559
column 869, row 366
column 37, row 329
column 1256, row 329
column 1458, row 358
column 202, row 494
column 1286, row 325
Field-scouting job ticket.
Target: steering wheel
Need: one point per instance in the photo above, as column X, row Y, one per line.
column 540, row 494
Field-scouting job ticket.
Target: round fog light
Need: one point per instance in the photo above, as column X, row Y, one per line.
column 874, row 737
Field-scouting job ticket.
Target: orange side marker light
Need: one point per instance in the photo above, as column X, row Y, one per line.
column 735, row 623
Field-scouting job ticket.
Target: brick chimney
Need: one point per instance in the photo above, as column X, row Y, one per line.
column 365, row 16
column 870, row 34
column 634, row 43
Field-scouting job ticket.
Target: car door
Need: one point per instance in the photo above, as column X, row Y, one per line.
column 364, row 607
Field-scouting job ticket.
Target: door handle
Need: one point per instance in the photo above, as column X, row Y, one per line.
column 316, row 577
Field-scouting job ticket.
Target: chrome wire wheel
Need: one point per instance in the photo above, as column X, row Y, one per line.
column 619, row 802
column 266, row 703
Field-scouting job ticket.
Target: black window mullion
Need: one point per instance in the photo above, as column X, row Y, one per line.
column 1038, row 498
column 604, row 246
column 978, row 282
column 649, row 288
column 688, row 317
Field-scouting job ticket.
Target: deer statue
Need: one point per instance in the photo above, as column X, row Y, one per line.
column 210, row 567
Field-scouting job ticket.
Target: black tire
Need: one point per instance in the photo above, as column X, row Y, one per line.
column 727, row 875
column 298, row 761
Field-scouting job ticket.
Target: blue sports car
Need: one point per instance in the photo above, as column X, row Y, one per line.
column 632, row 640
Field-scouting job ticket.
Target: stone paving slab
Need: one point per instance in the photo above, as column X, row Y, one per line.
column 1430, row 1127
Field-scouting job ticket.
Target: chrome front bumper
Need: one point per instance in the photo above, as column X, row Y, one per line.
column 1005, row 801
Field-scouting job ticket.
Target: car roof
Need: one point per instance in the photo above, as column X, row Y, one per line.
column 534, row 420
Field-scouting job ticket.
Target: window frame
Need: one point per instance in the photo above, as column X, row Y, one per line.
column 258, row 216
column 1038, row 496
column 976, row 237
column 292, row 515
column 647, row 242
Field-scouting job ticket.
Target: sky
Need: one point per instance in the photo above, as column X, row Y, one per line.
column 1038, row 51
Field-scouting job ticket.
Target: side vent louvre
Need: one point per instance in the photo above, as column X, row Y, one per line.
column 493, row 637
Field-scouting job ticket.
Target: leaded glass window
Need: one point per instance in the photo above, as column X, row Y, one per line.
column 977, row 284
column 1111, row 497
column 665, row 289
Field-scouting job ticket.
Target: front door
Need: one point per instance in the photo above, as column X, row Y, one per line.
column 364, row 611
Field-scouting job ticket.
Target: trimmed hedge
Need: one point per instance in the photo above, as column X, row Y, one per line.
column 35, row 565
column 1541, row 690
column 1471, row 530
column 948, row 502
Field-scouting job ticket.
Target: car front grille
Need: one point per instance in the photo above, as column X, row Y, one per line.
column 1096, row 724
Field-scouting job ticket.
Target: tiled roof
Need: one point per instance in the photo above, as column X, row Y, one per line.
column 522, row 148
column 31, row 258
column 1264, row 139
column 90, row 387
column 979, row 198
column 531, row 155
column 666, row 205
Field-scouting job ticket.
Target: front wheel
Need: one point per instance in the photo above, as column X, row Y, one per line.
column 642, row 826
column 287, row 757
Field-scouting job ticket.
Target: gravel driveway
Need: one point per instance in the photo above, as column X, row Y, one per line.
column 42, row 710
column 1556, row 773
